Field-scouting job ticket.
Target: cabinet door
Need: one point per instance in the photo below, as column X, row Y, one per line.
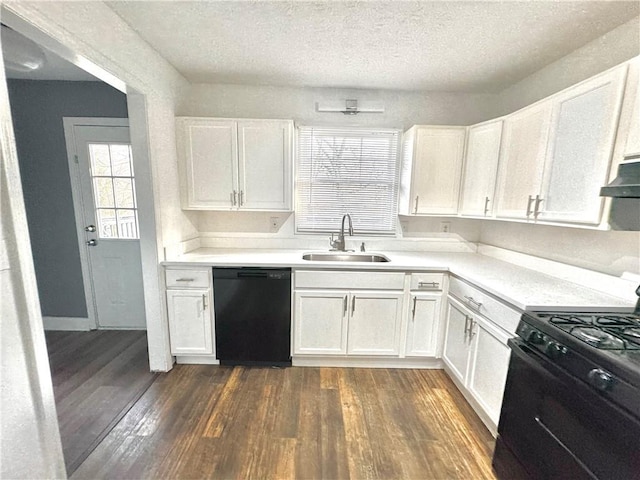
column 632, row 143
column 488, row 366
column 437, row 169
column 481, row 169
column 522, row 160
column 190, row 321
column 424, row 319
column 320, row 322
column 456, row 342
column 208, row 153
column 374, row 323
column 580, row 148
column 265, row 173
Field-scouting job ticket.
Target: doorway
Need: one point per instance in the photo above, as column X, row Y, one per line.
column 105, row 205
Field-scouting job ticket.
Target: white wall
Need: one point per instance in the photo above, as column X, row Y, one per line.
column 402, row 109
column 613, row 48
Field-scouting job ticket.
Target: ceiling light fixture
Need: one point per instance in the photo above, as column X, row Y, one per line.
column 349, row 107
column 20, row 54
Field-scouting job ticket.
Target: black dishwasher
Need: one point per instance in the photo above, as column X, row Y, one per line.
column 252, row 316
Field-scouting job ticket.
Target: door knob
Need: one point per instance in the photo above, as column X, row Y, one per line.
column 92, row 243
column 90, row 228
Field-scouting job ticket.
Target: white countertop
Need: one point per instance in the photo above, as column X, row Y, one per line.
column 523, row 288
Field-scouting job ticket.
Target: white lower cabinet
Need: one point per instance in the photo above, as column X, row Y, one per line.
column 321, row 322
column 422, row 327
column 190, row 321
column 477, row 357
column 344, row 322
column 374, row 323
column 190, row 313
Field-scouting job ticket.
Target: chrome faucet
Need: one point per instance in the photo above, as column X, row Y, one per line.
column 339, row 244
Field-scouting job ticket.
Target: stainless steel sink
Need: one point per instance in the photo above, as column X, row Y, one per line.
column 344, row 257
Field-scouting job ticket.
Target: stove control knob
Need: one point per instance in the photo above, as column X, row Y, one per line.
column 600, row 379
column 555, row 350
column 535, row 337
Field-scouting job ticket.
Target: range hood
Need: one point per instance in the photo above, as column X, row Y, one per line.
column 626, row 184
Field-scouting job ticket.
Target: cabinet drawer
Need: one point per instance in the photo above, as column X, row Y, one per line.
column 428, row 282
column 498, row 312
column 349, row 280
column 187, row 278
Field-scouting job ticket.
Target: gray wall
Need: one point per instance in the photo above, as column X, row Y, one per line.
column 37, row 108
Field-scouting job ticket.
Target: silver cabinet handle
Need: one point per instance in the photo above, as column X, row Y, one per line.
column 413, row 312
column 353, row 304
column 90, row 228
column 234, row 198
column 486, row 205
column 473, row 302
column 472, row 324
column 430, row 285
column 536, row 208
column 345, row 306
column 184, row 279
column 529, row 202
column 92, row 243
column 241, row 197
column 415, row 208
column 204, row 301
column 466, row 325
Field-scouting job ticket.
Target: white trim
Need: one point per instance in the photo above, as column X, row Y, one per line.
column 69, row 124
column 81, row 324
column 197, row 360
column 366, row 362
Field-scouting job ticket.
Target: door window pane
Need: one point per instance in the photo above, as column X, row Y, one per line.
column 100, row 163
column 121, row 160
column 107, row 223
column 103, row 192
column 114, row 190
column 123, row 192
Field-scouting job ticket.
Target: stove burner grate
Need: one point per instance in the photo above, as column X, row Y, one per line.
column 608, row 332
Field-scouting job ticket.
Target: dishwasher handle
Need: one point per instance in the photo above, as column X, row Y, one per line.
column 249, row 272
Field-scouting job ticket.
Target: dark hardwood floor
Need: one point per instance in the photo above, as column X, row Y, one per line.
column 297, row 423
column 97, row 376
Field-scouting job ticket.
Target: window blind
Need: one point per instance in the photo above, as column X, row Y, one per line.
column 347, row 170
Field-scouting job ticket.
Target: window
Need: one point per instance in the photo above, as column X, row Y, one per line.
column 347, row 170
column 114, row 190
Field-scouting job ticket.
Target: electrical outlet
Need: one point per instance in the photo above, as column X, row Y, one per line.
column 404, row 226
column 445, row 227
column 274, row 224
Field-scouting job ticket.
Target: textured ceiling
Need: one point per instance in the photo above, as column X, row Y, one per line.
column 446, row 45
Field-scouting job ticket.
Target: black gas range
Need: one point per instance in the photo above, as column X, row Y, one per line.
column 571, row 407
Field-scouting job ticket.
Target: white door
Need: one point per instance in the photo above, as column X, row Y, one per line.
column 320, row 322
column 456, row 346
column 437, row 169
column 481, row 167
column 101, row 168
column 488, row 366
column 422, row 332
column 522, row 161
column 190, row 321
column 374, row 324
column 264, row 164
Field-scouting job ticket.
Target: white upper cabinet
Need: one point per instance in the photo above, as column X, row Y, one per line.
column 556, row 153
column 583, row 130
column 481, row 167
column 235, row 164
column 522, row 160
column 629, row 129
column 431, row 170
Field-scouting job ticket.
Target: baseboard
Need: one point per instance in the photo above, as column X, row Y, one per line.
column 359, row 362
column 67, row 323
column 197, row 360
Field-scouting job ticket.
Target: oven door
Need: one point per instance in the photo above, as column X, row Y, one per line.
column 559, row 427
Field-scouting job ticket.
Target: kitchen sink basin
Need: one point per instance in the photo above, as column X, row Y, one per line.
column 344, row 257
